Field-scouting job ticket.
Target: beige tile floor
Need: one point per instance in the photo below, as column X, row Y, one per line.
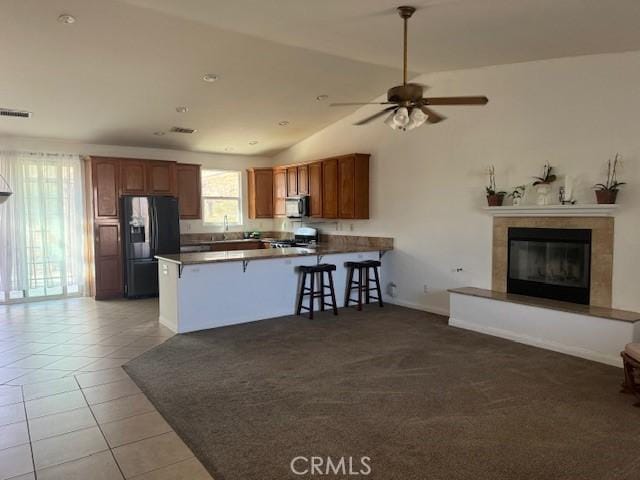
column 68, row 410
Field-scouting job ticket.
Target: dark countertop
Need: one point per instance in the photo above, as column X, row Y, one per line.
column 591, row 310
column 196, row 258
column 193, row 243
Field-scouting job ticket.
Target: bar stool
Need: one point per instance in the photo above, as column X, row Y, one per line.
column 312, row 293
column 362, row 287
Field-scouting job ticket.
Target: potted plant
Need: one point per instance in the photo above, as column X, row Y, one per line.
column 606, row 193
column 494, row 198
column 517, row 194
column 543, row 184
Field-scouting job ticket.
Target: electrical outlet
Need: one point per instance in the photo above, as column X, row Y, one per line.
column 351, row 227
column 426, row 288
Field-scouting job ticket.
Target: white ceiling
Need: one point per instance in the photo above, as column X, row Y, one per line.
column 117, row 75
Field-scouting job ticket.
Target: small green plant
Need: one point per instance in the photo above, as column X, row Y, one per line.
column 518, row 191
column 612, row 184
column 491, row 188
column 547, row 176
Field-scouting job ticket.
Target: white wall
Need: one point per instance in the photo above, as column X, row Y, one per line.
column 207, row 160
column 427, row 184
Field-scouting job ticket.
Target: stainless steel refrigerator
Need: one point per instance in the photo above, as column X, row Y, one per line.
column 151, row 227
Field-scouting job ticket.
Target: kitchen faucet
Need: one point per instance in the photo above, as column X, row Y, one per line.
column 225, row 224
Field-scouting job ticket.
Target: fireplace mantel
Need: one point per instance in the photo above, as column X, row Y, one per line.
column 553, row 211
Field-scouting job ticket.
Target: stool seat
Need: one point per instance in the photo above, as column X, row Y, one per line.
column 633, row 350
column 373, row 263
column 321, row 267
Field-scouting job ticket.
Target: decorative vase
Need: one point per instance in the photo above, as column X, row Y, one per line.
column 606, row 196
column 543, row 190
column 517, row 201
column 495, row 200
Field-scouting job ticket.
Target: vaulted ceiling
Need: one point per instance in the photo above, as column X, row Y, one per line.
column 118, row 73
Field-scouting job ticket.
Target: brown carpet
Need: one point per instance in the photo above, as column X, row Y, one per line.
column 421, row 399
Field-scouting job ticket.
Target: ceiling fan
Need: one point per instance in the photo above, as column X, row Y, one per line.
column 409, row 109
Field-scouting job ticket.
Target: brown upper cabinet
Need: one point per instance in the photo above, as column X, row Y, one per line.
column 260, row 192
column 161, row 177
column 303, row 179
column 279, row 191
column 292, row 181
column 189, row 191
column 133, row 177
column 353, row 186
column 315, row 189
column 105, row 179
column 330, row 188
column 338, row 187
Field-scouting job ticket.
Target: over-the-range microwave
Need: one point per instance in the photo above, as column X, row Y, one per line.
column 296, row 207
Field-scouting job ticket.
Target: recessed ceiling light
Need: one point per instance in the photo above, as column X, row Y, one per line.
column 66, row 19
column 253, row 142
column 210, row 77
column 283, row 123
column 322, row 97
column 159, row 134
column 182, row 109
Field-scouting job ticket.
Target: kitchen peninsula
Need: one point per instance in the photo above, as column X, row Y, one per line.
column 212, row 289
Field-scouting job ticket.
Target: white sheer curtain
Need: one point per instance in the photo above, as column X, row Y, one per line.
column 42, row 244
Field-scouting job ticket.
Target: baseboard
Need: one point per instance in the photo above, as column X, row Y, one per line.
column 416, row 306
column 536, row 342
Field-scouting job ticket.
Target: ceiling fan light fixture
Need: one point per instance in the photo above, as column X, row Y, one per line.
column 401, row 117
column 390, row 121
column 418, row 117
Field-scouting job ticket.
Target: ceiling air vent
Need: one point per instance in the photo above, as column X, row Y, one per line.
column 7, row 112
column 182, row 130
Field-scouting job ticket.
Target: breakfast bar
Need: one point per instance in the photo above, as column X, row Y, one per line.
column 213, row 289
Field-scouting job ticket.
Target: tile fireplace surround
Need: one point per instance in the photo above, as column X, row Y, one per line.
column 601, row 250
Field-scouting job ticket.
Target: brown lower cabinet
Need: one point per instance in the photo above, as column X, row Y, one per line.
column 108, row 260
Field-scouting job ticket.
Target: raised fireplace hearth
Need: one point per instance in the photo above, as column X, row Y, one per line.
column 552, row 263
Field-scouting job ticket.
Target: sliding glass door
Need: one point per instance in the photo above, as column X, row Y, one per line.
column 42, row 231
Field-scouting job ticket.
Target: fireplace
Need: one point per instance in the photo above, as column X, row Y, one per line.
column 550, row 263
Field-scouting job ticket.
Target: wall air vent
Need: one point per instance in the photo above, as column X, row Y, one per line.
column 182, row 130
column 7, row 112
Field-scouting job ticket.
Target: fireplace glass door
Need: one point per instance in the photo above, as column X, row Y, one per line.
column 550, row 263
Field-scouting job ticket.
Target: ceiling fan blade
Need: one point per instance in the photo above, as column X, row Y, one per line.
column 455, row 101
column 377, row 115
column 432, row 117
column 347, row 104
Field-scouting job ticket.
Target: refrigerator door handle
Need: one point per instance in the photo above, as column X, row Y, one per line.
column 153, row 227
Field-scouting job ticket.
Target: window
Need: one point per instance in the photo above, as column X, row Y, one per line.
column 42, row 227
column 221, row 195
